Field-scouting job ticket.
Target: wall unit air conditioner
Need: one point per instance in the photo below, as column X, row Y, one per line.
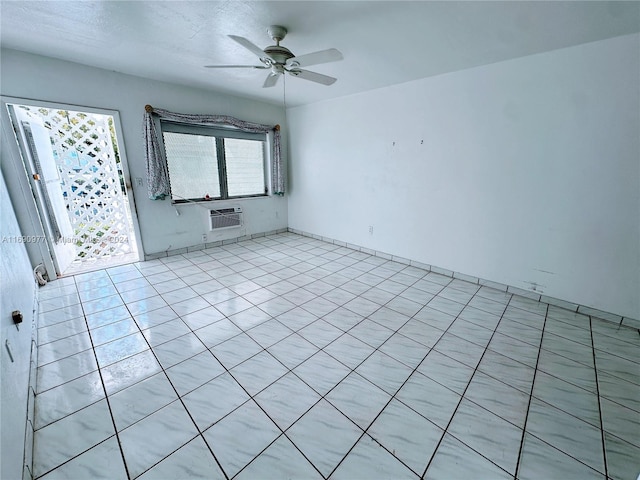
column 225, row 218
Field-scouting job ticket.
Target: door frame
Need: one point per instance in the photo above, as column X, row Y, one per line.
column 19, row 183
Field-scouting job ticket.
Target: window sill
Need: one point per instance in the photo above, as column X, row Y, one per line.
column 217, row 200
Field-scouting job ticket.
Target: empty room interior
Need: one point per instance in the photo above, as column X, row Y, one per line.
column 320, row 240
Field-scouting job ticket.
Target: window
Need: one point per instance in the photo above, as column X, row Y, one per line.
column 213, row 163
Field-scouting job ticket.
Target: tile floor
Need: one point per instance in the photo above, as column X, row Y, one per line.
column 287, row 357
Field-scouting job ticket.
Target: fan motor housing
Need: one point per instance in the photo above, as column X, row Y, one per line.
column 278, row 53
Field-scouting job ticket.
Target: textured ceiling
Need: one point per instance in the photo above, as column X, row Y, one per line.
column 383, row 43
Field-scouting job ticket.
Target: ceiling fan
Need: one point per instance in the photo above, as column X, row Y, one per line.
column 281, row 60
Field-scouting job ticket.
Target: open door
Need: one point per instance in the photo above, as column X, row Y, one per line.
column 40, row 164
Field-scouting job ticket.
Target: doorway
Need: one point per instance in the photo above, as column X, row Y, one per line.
column 80, row 182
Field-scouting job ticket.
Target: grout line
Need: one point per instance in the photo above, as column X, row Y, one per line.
column 268, row 250
column 392, row 397
column 533, row 382
column 595, row 370
column 446, row 429
column 104, row 389
column 290, row 370
column 179, row 398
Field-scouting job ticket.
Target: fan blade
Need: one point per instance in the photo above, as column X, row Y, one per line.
column 236, row 66
column 271, row 80
column 250, row 46
column 316, row 58
column 313, row 76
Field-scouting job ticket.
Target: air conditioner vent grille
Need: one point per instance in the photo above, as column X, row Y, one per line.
column 225, row 218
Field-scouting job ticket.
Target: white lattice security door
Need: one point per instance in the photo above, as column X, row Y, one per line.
column 93, row 182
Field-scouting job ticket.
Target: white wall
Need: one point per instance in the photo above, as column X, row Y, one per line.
column 47, row 79
column 17, row 291
column 525, row 172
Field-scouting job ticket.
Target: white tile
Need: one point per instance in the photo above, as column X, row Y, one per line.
column 228, row 394
column 349, row 350
column 435, row 318
column 120, row 349
column 280, row 460
column 146, row 305
column 258, row 372
column 276, row 306
column 389, row 318
column 59, row 301
column 236, row 350
column 234, row 305
column 371, row 333
column 499, row 398
column 286, row 400
column 167, row 331
column 62, row 440
column 217, row 332
column 621, row 421
column 64, row 347
column 405, row 350
column 324, row 436
column 60, row 315
column 421, row 332
column 540, row 460
column 170, row 428
column 137, row 401
column 567, row 397
column 269, row 333
column 361, row 306
column 249, row 423
column 622, row 458
column 409, row 436
column 359, row 399
column 249, row 318
column 69, row 368
column 104, row 461
column 67, row 398
column 446, row 306
column 471, row 331
column 292, row 350
column 193, row 460
column 454, row 459
column 488, row 434
column 430, row 399
column 446, row 371
column 384, row 371
column 104, row 303
column 296, row 318
column 321, row 372
column 369, row 460
column 566, row 433
column 129, row 371
column 320, row 333
column 202, row 318
column 113, row 331
column 179, row 295
column 194, row 372
column 319, row 306
column 189, row 306
column 61, row 330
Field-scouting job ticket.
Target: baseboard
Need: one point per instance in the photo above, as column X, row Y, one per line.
column 532, row 295
column 202, row 246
